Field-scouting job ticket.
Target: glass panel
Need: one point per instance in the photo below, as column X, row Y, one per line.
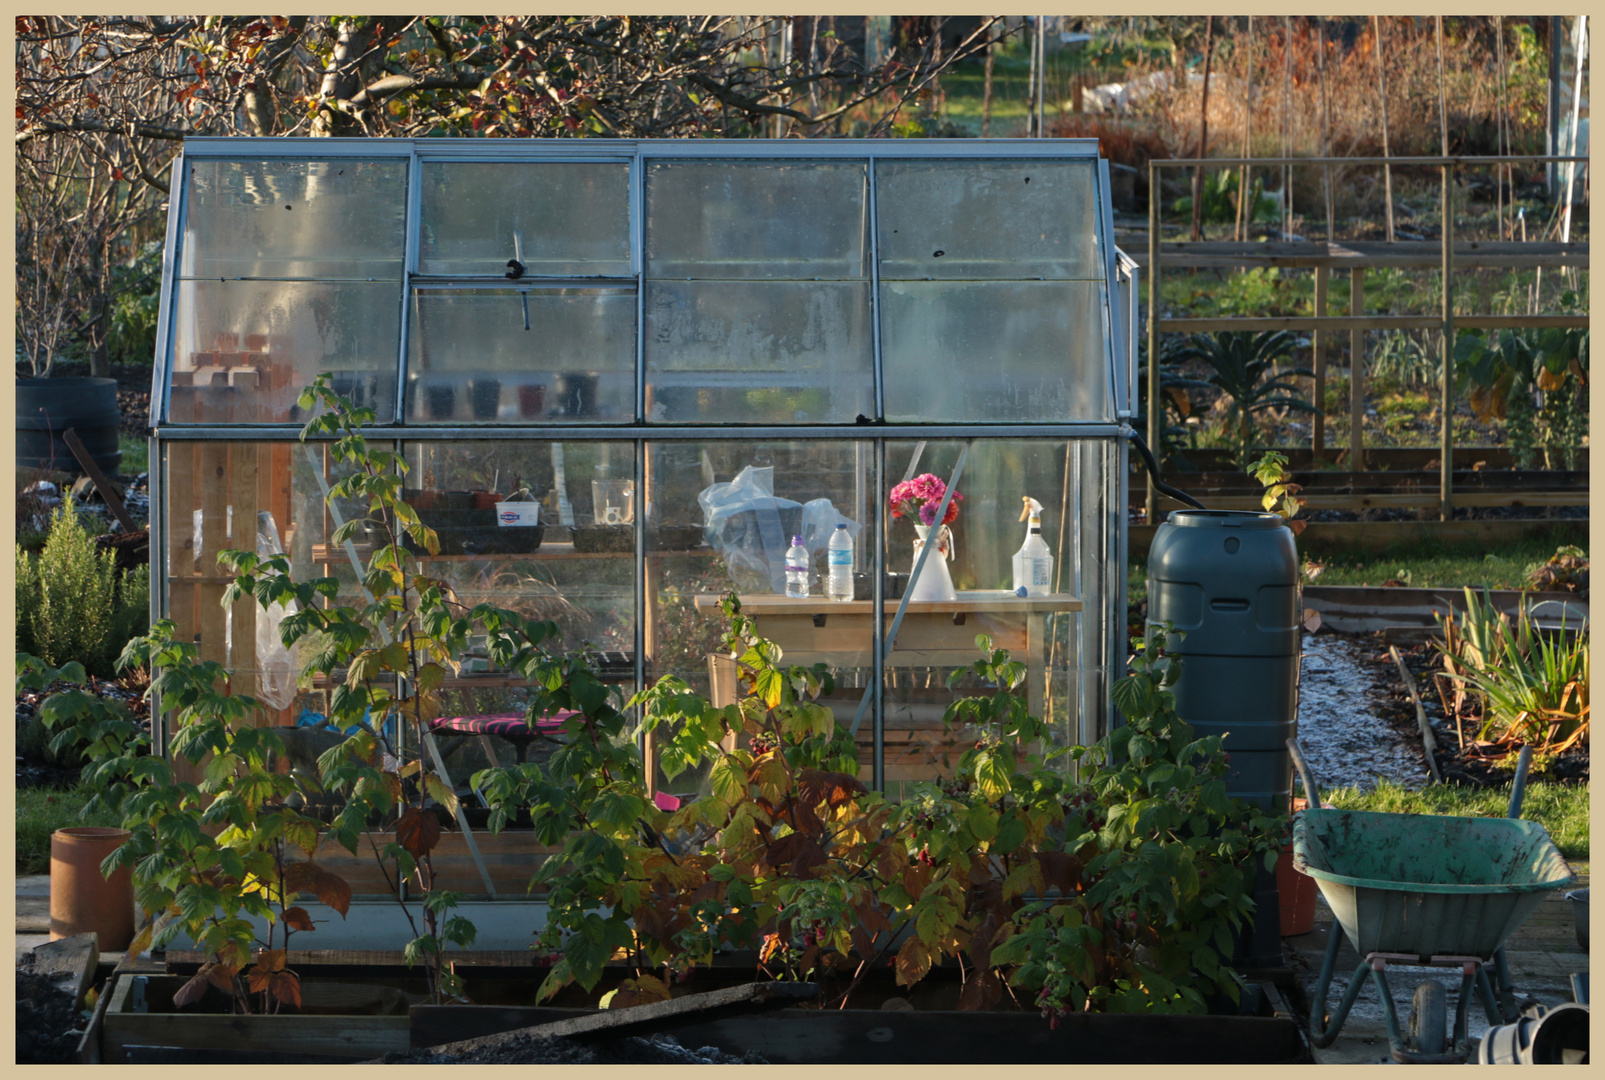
column 254, row 496
column 734, row 537
column 563, row 568
column 244, row 350
column 1040, row 631
column 772, row 219
column 522, row 355
column 994, row 351
column 759, row 352
column 295, row 219
column 559, row 218
column 986, row 219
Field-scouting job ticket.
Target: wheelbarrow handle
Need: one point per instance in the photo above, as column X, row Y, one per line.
column 1518, row 787
column 1311, row 794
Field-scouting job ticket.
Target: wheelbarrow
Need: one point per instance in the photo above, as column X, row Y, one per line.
column 1424, row 890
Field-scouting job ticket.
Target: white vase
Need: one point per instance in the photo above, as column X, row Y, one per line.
column 934, row 581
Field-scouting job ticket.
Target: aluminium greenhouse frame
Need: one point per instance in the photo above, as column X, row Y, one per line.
column 1106, row 560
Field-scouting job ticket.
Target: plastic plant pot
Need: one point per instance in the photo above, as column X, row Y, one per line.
column 531, row 401
column 486, row 395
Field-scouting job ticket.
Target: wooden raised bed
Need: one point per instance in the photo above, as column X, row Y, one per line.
column 150, row 1035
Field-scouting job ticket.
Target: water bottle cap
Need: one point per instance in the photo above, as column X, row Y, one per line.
column 796, row 541
column 841, row 526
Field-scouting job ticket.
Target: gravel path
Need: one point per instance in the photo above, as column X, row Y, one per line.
column 1344, row 739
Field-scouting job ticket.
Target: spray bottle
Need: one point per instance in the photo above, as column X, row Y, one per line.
column 1033, row 563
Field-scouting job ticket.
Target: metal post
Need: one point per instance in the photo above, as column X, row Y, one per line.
column 1153, row 334
column 1357, row 374
column 1318, row 434
column 1447, row 448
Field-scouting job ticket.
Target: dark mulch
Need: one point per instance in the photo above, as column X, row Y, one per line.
column 48, row 1026
column 530, row 1050
column 1394, row 706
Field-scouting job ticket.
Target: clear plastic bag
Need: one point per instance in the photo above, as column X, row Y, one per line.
column 746, row 523
column 275, row 678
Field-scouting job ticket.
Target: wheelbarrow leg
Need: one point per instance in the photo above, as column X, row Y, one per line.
column 1321, row 1035
column 1490, row 1003
column 1504, row 989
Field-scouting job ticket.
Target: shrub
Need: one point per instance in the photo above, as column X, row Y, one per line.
column 72, row 604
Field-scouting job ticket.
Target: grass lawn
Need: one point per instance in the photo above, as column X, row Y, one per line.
column 1560, row 808
column 1420, row 566
column 136, row 455
column 40, row 812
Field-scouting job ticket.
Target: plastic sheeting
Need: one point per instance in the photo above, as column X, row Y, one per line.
column 746, row 523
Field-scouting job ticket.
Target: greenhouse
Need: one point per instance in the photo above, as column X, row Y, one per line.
column 625, row 375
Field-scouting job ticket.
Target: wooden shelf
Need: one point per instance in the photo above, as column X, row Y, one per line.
column 557, row 550
column 987, row 600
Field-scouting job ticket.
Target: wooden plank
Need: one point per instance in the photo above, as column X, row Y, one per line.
column 69, row 964
column 180, row 492
column 107, row 490
column 1332, row 537
column 210, row 617
column 873, row 1036
column 650, row 1019
column 345, row 1038
column 1369, row 322
column 1399, row 500
column 243, row 498
column 1422, row 254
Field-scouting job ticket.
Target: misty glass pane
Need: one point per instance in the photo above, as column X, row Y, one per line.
column 759, row 352
column 772, row 219
column 987, row 219
column 244, row 350
column 522, row 355
column 566, row 219
column 994, row 352
column 344, row 218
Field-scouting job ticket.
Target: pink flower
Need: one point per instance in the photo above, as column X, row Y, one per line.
column 922, row 495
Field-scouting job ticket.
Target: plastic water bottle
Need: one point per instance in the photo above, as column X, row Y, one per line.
column 839, row 582
column 797, row 570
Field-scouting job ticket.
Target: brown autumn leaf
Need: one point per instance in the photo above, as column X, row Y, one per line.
column 982, row 990
column 800, row 852
column 296, row 918
column 831, row 788
column 298, row 877
column 418, row 832
column 270, row 960
column 332, row 889
column 641, row 991
column 286, row 987
column 913, row 961
column 193, row 990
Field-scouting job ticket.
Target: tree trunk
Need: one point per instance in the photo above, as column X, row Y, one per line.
column 1203, row 131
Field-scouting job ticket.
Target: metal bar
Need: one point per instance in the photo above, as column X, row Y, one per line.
column 1318, row 421
column 638, row 262
column 461, row 815
column 158, row 575
column 1153, row 330
column 666, row 433
column 528, row 283
column 409, row 268
column 161, row 363
column 914, row 574
column 1115, row 337
column 1356, row 371
column 877, row 646
column 873, row 242
column 1446, row 509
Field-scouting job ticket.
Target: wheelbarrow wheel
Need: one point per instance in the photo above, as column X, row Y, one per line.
column 1429, row 1018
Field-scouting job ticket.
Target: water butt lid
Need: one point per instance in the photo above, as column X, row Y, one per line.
column 1224, row 519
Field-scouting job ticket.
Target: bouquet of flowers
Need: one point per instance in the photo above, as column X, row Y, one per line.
column 921, row 497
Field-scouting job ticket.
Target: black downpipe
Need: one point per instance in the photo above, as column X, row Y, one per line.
column 1153, row 471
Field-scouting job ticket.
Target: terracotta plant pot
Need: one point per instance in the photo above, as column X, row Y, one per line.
column 80, row 899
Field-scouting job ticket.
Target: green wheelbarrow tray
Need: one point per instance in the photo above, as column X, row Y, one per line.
column 1426, row 885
